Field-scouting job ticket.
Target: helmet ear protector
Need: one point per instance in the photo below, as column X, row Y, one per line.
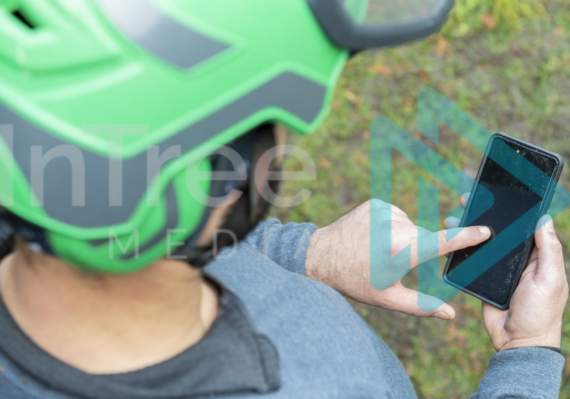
column 257, row 149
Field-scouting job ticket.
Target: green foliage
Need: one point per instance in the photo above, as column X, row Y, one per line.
column 471, row 16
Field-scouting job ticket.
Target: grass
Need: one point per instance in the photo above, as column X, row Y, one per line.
column 505, row 62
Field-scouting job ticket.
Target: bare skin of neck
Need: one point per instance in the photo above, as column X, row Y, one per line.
column 106, row 324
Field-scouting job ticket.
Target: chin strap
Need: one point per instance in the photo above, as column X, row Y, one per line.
column 10, row 225
column 253, row 204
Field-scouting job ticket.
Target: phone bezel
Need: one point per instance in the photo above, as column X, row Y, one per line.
column 543, row 209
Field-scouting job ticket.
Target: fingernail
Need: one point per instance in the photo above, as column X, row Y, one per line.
column 442, row 315
column 485, row 230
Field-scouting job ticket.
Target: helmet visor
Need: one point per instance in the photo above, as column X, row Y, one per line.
column 361, row 24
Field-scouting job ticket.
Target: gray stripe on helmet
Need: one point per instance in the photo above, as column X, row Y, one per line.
column 159, row 34
column 293, row 93
column 99, row 242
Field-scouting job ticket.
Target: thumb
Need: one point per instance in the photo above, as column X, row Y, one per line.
column 550, row 258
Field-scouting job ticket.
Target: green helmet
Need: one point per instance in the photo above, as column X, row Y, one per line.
column 109, row 109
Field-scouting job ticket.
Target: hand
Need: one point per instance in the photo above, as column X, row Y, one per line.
column 339, row 256
column 534, row 317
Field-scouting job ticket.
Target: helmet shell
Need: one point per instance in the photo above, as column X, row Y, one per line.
column 85, row 84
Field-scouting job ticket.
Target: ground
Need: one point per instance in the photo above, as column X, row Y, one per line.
column 505, row 62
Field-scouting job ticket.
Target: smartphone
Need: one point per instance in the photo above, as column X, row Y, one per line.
column 513, row 190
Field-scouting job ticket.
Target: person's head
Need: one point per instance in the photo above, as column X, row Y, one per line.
column 132, row 130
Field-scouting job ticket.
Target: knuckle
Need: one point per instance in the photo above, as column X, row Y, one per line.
column 382, row 213
column 565, row 287
column 376, row 204
column 555, row 247
column 385, row 213
column 396, row 209
column 387, row 224
column 564, row 280
column 559, row 284
column 452, row 222
column 442, row 239
column 472, row 232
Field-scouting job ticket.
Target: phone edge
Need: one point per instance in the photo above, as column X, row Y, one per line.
column 543, row 211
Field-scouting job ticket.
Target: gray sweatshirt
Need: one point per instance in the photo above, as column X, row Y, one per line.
column 324, row 349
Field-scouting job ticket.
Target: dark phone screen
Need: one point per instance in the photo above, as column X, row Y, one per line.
column 507, row 205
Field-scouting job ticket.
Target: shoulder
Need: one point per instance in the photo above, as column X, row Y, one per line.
column 320, row 339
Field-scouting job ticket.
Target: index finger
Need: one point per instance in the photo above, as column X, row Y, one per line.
column 439, row 243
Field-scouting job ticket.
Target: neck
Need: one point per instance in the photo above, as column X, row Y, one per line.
column 104, row 324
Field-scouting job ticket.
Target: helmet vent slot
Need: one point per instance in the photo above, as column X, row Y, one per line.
column 21, row 16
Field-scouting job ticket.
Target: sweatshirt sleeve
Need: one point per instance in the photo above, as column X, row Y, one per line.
column 522, row 373
column 285, row 245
